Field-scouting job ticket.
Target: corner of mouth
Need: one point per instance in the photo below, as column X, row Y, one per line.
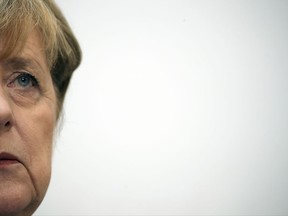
column 8, row 156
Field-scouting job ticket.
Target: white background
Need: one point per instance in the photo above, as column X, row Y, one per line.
column 179, row 108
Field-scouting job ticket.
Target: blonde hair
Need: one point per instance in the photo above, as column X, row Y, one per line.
column 19, row 17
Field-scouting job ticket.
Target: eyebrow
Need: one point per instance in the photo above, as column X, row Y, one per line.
column 22, row 63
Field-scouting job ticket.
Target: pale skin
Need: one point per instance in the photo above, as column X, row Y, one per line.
column 28, row 115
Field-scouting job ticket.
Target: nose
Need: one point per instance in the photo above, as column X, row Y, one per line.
column 5, row 112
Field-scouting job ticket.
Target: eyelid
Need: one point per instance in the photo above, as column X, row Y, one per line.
column 33, row 79
column 29, row 74
column 16, row 74
column 23, row 72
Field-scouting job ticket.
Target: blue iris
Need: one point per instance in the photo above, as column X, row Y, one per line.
column 24, row 80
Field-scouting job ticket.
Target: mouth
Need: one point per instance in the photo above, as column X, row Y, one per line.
column 7, row 159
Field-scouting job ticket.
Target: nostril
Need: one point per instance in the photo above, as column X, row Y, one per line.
column 7, row 124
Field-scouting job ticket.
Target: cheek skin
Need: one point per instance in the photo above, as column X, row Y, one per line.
column 31, row 137
column 33, row 132
column 35, row 128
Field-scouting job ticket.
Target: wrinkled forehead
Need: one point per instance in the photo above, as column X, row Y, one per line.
column 13, row 45
column 31, row 55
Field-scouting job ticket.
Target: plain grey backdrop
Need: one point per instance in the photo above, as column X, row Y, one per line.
column 179, row 108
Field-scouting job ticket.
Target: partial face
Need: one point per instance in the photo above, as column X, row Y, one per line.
column 27, row 120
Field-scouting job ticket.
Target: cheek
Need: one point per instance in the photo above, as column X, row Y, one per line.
column 35, row 129
column 40, row 132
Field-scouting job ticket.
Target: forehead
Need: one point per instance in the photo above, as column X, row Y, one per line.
column 31, row 54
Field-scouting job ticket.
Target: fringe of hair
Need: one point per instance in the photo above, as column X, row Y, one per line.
column 19, row 18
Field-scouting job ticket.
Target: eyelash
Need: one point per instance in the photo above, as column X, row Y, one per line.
column 34, row 81
column 32, row 78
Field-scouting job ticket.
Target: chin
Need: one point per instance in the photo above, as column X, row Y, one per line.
column 17, row 199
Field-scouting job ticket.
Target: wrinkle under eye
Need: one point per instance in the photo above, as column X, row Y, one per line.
column 24, row 88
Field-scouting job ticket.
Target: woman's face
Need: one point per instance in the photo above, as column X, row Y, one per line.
column 27, row 120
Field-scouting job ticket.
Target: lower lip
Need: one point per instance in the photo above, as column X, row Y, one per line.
column 5, row 163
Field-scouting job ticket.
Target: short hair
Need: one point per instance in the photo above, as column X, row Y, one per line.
column 19, row 17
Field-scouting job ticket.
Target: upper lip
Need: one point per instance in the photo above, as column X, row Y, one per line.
column 7, row 156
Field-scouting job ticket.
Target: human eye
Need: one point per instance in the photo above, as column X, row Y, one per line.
column 23, row 81
column 23, row 87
